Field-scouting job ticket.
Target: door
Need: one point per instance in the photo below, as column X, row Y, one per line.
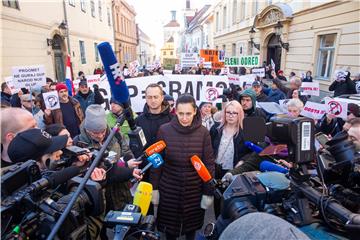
column 274, row 52
column 58, row 58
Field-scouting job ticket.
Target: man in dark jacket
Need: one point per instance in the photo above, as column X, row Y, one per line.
column 86, row 97
column 342, row 84
column 248, row 102
column 275, row 94
column 295, row 84
column 5, row 95
column 260, row 95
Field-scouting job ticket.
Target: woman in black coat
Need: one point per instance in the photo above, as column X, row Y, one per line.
column 227, row 140
column 179, row 192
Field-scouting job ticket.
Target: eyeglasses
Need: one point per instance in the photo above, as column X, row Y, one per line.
column 232, row 113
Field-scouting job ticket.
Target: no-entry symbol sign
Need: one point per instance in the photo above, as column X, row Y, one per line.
column 336, row 108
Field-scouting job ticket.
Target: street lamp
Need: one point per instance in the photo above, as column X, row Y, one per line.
column 278, row 32
column 252, row 35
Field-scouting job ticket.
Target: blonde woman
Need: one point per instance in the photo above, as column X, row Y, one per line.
column 227, row 140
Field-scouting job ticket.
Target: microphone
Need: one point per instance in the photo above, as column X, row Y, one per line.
column 121, row 162
column 204, row 174
column 142, row 197
column 155, row 161
column 157, row 147
column 120, row 93
column 253, row 147
column 266, row 166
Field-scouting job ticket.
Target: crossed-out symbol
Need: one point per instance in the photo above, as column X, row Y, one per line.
column 211, row 94
column 335, row 108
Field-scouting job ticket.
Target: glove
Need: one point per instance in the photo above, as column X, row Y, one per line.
column 155, row 197
column 206, row 201
column 96, row 87
column 227, row 177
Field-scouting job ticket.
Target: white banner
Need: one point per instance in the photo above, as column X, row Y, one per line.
column 336, row 108
column 189, row 60
column 10, row 83
column 211, row 94
column 92, row 79
column 313, row 110
column 258, row 72
column 51, row 100
column 310, row 88
column 29, row 76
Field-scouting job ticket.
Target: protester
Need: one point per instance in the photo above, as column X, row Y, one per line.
column 70, row 113
column 342, row 84
column 227, row 140
column 178, row 189
column 294, row 107
column 248, row 103
column 13, row 121
column 171, row 102
column 275, row 95
column 295, row 84
column 354, row 133
column 86, row 97
column 280, row 75
column 81, row 75
column 52, row 86
column 5, row 95
column 258, row 89
column 28, row 103
column 357, row 82
column 350, row 122
column 308, row 77
column 206, row 116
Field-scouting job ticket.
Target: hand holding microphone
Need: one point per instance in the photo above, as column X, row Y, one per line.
column 155, row 161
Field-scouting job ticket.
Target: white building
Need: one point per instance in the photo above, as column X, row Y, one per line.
column 146, row 49
column 45, row 32
column 172, row 29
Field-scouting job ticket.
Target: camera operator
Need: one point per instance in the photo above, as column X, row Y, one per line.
column 13, row 121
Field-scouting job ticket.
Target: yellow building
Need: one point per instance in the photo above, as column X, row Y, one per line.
column 298, row 36
column 168, row 54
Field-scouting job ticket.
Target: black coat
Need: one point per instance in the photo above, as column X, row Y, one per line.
column 239, row 147
column 343, row 87
column 333, row 128
column 179, row 185
column 262, row 97
column 5, row 99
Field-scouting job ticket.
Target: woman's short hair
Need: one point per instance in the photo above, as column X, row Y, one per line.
column 295, row 102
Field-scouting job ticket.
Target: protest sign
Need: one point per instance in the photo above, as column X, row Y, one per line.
column 242, row 61
column 133, row 68
column 211, row 55
column 272, row 64
column 260, row 72
column 207, row 65
column 234, row 79
column 336, row 108
column 271, row 107
column 29, row 76
column 10, row 83
column 283, row 104
column 189, row 60
column 211, row 94
column 51, row 100
column 247, row 80
column 178, row 67
column 313, row 110
column 310, row 88
column 93, row 79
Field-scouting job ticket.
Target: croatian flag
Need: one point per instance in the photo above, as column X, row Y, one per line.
column 68, row 81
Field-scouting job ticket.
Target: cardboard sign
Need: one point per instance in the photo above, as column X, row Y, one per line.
column 260, row 72
column 310, row 88
column 242, row 61
column 313, row 110
column 189, row 60
column 29, row 76
column 211, row 94
column 10, row 83
column 51, row 100
column 336, row 108
column 211, row 55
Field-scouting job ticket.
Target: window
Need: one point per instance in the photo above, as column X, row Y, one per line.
column 83, row 5
column 234, row 12
column 92, row 6
column 171, row 52
column 243, row 7
column 117, row 22
column 164, row 53
column 326, row 55
column 233, row 49
column 82, row 52
column 108, row 16
column 72, row 3
column 217, row 21
column 100, row 10
column 96, row 52
column 224, row 17
column 11, row 4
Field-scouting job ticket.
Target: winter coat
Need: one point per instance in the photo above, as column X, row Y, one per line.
column 239, row 147
column 275, row 95
column 179, row 185
column 333, row 128
column 262, row 97
column 254, row 111
column 5, row 99
column 343, row 87
column 307, row 79
column 89, row 99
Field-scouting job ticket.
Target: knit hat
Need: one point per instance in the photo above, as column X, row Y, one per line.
column 354, row 109
column 83, row 82
column 256, row 83
column 95, row 118
column 249, row 93
column 60, row 86
column 203, row 103
column 113, row 100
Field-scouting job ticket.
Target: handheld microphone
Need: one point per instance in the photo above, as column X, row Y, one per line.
column 266, row 166
column 155, row 161
column 204, row 174
column 142, row 197
column 121, row 162
column 120, row 93
column 154, row 148
column 253, row 147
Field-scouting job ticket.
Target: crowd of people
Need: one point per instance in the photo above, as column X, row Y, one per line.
column 214, row 133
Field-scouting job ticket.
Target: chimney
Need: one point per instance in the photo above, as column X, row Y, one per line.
column 173, row 15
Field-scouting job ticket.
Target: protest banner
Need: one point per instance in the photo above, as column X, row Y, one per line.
column 10, row 83
column 242, row 61
column 189, row 60
column 211, row 94
column 211, row 55
column 51, row 100
column 310, row 88
column 247, row 80
column 260, row 72
column 336, row 108
column 313, row 110
column 29, row 76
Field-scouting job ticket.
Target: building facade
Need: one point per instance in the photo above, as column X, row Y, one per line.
column 146, row 49
column 172, row 30
column 320, row 36
column 168, row 54
column 125, row 31
column 44, row 33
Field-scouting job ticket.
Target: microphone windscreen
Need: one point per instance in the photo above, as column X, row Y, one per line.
column 142, row 197
column 156, row 160
column 200, row 168
column 266, row 166
column 128, row 156
column 253, row 147
column 155, row 148
column 113, row 72
column 63, row 176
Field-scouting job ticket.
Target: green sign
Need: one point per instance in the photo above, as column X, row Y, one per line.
column 243, row 61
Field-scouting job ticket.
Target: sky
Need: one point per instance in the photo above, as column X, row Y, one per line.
column 152, row 15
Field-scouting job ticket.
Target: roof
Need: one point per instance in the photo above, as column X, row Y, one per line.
column 198, row 18
column 143, row 35
column 172, row 23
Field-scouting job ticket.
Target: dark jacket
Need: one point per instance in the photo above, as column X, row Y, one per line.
column 254, row 111
column 288, row 91
column 5, row 99
column 275, row 95
column 333, row 128
column 15, row 100
column 343, row 87
column 179, row 185
column 86, row 100
column 307, row 79
column 239, row 147
column 262, row 97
